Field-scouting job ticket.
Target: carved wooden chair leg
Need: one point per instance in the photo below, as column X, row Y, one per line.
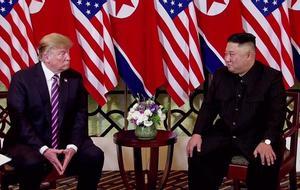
column 293, row 179
column 52, row 185
column 236, row 184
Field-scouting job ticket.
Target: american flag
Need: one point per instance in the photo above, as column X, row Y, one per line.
column 179, row 37
column 269, row 22
column 94, row 36
column 16, row 41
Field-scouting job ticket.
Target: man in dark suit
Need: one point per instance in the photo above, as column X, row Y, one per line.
column 47, row 105
column 243, row 113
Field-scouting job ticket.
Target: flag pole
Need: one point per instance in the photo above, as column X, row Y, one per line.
column 126, row 107
column 169, row 112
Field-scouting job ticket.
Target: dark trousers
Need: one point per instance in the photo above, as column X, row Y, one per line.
column 207, row 169
column 32, row 167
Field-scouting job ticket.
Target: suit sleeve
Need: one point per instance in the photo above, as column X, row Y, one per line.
column 19, row 115
column 276, row 105
column 208, row 110
column 79, row 130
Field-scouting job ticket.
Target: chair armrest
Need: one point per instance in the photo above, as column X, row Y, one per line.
column 291, row 131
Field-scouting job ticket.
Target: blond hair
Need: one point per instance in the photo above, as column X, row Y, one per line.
column 53, row 40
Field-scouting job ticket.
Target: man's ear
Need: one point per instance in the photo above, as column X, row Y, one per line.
column 45, row 57
column 250, row 54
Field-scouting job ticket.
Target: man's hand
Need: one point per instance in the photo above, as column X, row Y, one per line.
column 266, row 153
column 51, row 155
column 195, row 141
column 69, row 153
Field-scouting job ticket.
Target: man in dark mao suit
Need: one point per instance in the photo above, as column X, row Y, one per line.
column 243, row 113
column 30, row 140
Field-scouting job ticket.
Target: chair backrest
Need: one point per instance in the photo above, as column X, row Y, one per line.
column 4, row 118
column 292, row 121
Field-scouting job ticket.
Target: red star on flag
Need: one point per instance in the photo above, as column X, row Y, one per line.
column 210, row 2
column 119, row 4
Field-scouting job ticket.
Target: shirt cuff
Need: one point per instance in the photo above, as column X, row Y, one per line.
column 73, row 146
column 43, row 149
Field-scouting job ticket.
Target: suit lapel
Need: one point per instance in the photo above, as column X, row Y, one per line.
column 42, row 87
column 63, row 96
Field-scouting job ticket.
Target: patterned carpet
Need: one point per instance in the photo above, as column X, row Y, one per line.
column 111, row 180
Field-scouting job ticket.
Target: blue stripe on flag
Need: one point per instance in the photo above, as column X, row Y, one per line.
column 210, row 60
column 127, row 74
column 296, row 56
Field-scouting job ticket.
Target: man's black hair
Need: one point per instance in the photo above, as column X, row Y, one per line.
column 242, row 38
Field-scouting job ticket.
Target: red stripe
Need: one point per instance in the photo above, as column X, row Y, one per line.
column 91, row 65
column 193, row 63
column 93, row 92
column 174, row 96
column 262, row 34
column 14, row 53
column 29, row 37
column 278, row 28
column 87, row 36
column 108, row 55
column 286, row 25
column 6, row 59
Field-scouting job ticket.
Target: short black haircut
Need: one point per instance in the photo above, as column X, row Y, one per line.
column 242, row 38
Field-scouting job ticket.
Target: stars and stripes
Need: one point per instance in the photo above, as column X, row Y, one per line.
column 269, row 22
column 179, row 38
column 16, row 40
column 94, row 36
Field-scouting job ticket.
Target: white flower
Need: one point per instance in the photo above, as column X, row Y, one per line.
column 148, row 123
column 139, row 121
column 136, row 115
column 145, row 118
column 135, row 106
column 146, row 113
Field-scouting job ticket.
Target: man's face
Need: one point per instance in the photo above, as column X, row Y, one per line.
column 237, row 58
column 58, row 59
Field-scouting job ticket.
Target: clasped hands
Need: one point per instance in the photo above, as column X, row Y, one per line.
column 265, row 151
column 53, row 156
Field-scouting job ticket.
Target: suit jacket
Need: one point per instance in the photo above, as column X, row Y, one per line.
column 249, row 108
column 30, row 109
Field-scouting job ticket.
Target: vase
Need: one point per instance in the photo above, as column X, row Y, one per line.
column 145, row 133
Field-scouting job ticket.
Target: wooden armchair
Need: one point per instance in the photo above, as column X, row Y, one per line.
column 238, row 167
column 7, row 171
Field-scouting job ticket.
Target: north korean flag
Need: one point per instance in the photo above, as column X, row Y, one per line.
column 295, row 29
column 217, row 20
column 138, row 51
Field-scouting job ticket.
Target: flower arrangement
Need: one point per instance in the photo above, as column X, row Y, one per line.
column 146, row 113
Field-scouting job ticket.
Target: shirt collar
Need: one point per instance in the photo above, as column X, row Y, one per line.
column 48, row 73
column 249, row 75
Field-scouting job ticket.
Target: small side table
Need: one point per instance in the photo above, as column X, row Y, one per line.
column 127, row 138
